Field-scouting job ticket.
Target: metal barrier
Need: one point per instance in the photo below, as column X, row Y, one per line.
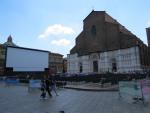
column 135, row 90
column 60, row 84
column 146, row 89
column 11, row 81
column 2, row 79
column 34, row 84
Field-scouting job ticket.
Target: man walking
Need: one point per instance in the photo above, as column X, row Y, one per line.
column 47, row 83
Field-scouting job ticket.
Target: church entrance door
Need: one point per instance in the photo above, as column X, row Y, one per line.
column 95, row 66
column 114, row 67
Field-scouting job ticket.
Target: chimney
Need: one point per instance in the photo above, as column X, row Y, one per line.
column 148, row 36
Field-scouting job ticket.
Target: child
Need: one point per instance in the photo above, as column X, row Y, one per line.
column 43, row 89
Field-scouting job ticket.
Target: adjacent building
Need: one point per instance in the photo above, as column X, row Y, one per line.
column 148, row 36
column 3, row 47
column 54, row 60
column 104, row 45
column 55, row 63
column 2, row 59
column 64, row 65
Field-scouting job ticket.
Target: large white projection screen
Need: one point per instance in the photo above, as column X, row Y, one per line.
column 23, row 59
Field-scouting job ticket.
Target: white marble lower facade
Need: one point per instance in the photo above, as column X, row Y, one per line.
column 118, row 61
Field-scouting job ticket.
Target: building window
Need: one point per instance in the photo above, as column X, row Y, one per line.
column 80, row 67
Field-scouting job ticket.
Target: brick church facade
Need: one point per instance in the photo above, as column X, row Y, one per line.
column 105, row 45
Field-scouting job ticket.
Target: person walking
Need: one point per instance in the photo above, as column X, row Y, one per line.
column 47, row 83
column 53, row 86
column 43, row 88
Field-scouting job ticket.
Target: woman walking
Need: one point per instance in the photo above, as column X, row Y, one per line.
column 53, row 86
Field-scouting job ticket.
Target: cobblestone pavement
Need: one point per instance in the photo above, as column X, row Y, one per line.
column 17, row 99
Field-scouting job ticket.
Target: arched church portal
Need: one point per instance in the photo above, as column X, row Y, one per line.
column 114, row 65
column 95, row 66
column 94, row 57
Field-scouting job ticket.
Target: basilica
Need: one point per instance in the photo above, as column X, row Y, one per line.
column 104, row 45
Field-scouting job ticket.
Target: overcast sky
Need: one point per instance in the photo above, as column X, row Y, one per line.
column 53, row 25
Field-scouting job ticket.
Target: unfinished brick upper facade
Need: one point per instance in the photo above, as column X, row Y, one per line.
column 110, row 35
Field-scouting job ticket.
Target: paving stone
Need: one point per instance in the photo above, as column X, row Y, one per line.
column 17, row 99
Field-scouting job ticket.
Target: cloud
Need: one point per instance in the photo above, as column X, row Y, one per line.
column 61, row 42
column 56, row 29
